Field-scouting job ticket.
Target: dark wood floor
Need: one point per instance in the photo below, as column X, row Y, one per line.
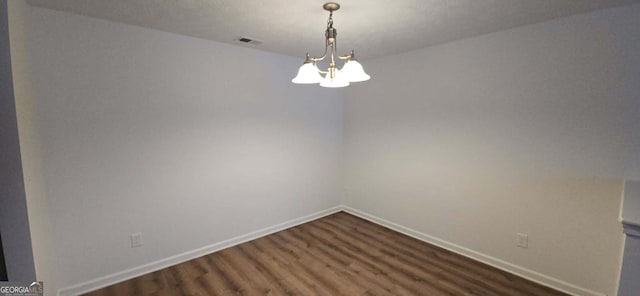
column 336, row 255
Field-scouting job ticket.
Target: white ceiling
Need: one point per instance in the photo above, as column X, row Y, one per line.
column 372, row 27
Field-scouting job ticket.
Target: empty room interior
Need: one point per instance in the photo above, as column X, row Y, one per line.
column 219, row 147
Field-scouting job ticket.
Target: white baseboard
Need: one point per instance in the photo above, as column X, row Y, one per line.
column 114, row 278
column 486, row 259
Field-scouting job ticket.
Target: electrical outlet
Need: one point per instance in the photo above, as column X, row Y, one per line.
column 136, row 239
column 522, row 240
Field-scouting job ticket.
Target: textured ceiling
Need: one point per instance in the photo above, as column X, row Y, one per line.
column 372, row 27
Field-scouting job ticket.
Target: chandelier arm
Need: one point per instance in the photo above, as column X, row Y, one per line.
column 324, row 55
column 349, row 56
column 327, row 42
column 335, row 49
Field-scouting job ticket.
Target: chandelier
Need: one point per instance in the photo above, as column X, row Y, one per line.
column 351, row 71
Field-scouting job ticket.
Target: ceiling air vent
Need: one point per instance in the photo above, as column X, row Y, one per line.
column 248, row 40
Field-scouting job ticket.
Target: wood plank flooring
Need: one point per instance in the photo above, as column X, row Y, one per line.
column 337, row 255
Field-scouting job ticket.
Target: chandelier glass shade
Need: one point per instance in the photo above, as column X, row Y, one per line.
column 351, row 71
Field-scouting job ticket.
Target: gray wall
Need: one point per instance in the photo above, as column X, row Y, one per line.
column 531, row 130
column 14, row 224
column 146, row 131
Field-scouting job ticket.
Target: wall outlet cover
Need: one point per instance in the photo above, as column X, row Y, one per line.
column 522, row 240
column 136, row 239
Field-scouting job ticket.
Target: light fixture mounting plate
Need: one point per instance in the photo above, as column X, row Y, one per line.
column 331, row 6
